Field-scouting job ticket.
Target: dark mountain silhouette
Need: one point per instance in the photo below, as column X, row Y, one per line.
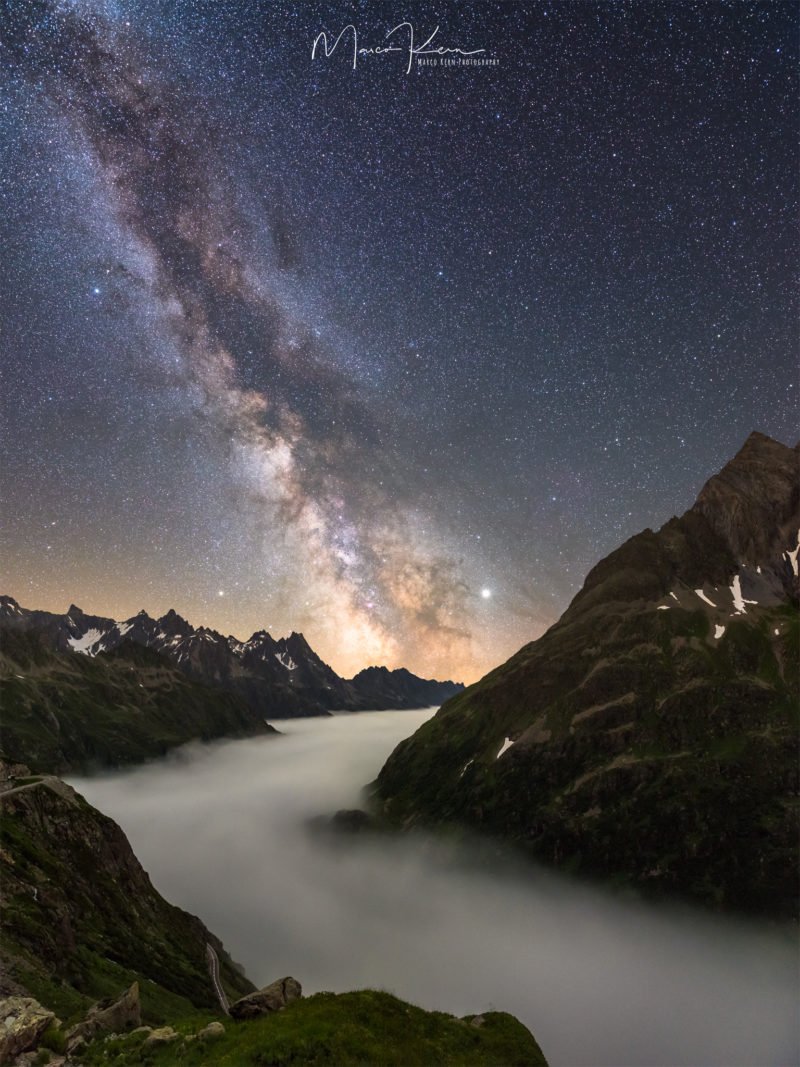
column 650, row 736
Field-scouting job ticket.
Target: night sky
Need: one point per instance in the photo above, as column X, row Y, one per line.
column 388, row 358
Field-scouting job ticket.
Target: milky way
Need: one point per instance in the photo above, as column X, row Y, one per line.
column 388, row 358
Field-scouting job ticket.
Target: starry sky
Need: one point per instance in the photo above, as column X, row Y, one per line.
column 388, row 356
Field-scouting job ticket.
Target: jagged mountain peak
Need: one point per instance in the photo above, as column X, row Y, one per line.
column 761, row 458
column 756, row 438
column 650, row 734
column 745, row 519
column 175, row 625
column 297, row 638
column 297, row 646
column 282, row 677
column 753, row 503
column 260, row 636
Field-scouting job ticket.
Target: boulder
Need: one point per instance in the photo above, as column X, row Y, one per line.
column 33, row 1059
column 271, row 998
column 162, row 1036
column 74, row 1044
column 214, row 1029
column 23, row 1020
column 114, row 1016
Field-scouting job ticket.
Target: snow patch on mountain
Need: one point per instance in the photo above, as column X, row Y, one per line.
column 791, row 555
column 703, row 596
column 84, row 644
column 738, row 600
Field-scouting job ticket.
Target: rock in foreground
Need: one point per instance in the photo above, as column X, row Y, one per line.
column 110, row 1015
column 23, row 1020
column 362, row 1029
column 271, row 998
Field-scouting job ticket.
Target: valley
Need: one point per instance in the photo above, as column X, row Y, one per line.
column 458, row 927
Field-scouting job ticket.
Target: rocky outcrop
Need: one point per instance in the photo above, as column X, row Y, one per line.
column 23, row 1020
column 753, row 502
column 164, row 1035
column 650, row 736
column 271, row 998
column 214, row 1029
column 113, row 1016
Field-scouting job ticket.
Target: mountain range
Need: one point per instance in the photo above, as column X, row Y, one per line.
column 650, row 736
column 277, row 678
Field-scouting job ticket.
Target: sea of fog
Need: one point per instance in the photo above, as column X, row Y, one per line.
column 222, row 830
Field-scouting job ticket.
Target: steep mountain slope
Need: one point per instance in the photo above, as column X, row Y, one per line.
column 281, row 678
column 650, row 736
column 82, row 922
column 81, row 919
column 61, row 711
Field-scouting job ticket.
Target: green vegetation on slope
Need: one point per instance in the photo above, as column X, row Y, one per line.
column 649, row 749
column 81, row 919
column 346, row 1030
column 81, row 922
column 68, row 712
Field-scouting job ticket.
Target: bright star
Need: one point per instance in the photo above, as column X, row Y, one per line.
column 486, row 593
column 221, row 592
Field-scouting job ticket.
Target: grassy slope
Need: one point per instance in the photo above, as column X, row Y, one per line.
column 646, row 752
column 81, row 919
column 67, row 712
column 360, row 1028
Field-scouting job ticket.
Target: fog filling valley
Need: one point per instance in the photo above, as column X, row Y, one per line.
column 222, row 831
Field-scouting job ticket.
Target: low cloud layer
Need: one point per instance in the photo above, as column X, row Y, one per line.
column 221, row 830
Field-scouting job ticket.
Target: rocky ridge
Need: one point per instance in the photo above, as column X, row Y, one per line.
column 650, row 736
column 277, row 678
column 67, row 712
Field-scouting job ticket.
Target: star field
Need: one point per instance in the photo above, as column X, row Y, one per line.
column 388, row 358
